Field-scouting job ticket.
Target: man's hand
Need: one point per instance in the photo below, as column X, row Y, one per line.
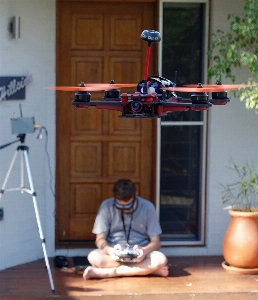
column 152, row 246
column 112, row 252
column 141, row 255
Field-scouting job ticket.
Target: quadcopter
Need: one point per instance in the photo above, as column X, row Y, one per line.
column 154, row 97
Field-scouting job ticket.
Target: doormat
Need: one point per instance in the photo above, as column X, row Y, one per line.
column 80, row 263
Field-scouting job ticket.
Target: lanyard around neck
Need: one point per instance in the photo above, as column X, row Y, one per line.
column 127, row 236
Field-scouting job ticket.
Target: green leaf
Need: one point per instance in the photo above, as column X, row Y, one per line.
column 238, row 48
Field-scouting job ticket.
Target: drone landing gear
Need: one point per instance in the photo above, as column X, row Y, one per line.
column 31, row 190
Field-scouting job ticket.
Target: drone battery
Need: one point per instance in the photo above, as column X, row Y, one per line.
column 154, row 86
column 22, row 125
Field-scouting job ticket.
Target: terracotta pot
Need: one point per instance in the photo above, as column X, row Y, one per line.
column 240, row 244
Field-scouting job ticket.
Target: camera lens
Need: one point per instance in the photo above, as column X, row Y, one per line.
column 136, row 106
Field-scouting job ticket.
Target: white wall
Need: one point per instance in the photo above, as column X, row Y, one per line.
column 33, row 53
column 233, row 135
column 232, row 131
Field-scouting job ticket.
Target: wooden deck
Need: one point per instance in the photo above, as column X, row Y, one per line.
column 196, row 278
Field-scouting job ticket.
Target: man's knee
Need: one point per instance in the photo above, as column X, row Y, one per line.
column 158, row 259
column 95, row 258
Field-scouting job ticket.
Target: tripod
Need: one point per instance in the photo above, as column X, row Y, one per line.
column 25, row 162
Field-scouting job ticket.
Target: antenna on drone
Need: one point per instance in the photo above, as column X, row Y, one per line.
column 150, row 36
column 175, row 77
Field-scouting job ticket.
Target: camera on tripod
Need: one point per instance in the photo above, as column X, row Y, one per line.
column 22, row 125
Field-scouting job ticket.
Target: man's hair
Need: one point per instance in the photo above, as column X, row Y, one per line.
column 124, row 189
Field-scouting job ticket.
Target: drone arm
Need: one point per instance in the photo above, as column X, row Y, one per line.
column 109, row 107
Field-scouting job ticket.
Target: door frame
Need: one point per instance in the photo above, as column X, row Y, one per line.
column 202, row 228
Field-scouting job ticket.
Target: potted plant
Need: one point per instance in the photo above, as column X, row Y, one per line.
column 240, row 244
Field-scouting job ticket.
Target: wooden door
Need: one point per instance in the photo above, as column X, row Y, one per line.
column 98, row 42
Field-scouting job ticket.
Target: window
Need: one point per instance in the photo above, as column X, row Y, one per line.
column 182, row 134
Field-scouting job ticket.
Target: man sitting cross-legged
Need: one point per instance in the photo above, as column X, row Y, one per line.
column 123, row 221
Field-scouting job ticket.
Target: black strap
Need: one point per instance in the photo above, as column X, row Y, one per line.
column 127, row 236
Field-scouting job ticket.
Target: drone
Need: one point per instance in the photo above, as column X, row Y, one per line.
column 154, row 97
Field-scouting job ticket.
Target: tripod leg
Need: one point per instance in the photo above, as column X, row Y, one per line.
column 38, row 219
column 8, row 173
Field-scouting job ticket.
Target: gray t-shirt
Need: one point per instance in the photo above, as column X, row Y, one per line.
column 144, row 225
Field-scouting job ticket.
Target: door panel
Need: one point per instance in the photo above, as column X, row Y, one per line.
column 124, row 32
column 99, row 42
column 87, row 31
column 87, row 67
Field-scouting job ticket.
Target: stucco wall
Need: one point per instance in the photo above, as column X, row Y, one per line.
column 34, row 54
column 233, row 134
column 232, row 131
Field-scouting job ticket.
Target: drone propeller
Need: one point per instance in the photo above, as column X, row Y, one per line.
column 105, row 86
column 192, row 88
column 74, row 88
column 92, row 87
column 221, row 86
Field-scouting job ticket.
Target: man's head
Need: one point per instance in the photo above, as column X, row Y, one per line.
column 124, row 191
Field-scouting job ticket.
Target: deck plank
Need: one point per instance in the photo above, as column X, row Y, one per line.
column 189, row 278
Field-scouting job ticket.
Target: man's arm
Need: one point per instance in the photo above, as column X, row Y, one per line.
column 101, row 243
column 153, row 245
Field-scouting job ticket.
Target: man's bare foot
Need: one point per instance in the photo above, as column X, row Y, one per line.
column 163, row 271
column 92, row 272
column 88, row 273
